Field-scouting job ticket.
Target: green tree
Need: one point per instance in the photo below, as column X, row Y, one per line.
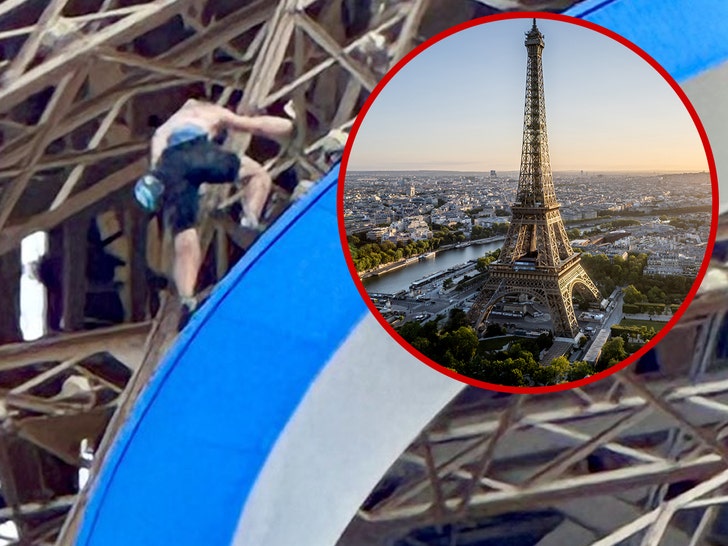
column 656, row 295
column 461, row 344
column 579, row 370
column 613, row 352
column 494, row 329
column 447, row 284
column 632, row 295
column 483, row 263
column 556, row 372
column 456, row 319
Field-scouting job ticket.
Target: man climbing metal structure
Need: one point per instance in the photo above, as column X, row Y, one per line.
column 186, row 152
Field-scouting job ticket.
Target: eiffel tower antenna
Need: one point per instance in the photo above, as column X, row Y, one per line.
column 536, row 258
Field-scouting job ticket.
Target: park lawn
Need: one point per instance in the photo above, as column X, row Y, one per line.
column 494, row 344
column 656, row 324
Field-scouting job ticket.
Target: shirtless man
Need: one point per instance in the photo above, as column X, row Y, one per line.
column 185, row 154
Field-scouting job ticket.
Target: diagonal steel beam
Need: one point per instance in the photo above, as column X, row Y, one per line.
column 660, row 517
column 57, row 107
column 32, row 43
column 508, row 418
column 680, row 391
column 662, row 405
column 434, row 480
column 323, row 65
column 81, row 157
column 92, row 19
column 273, row 50
column 562, row 463
column 78, row 170
column 44, row 74
column 12, row 236
column 165, row 68
column 705, row 521
column 404, row 42
column 45, row 376
column 668, row 509
column 82, row 113
column 9, row 5
column 183, row 54
column 321, row 37
column 577, row 487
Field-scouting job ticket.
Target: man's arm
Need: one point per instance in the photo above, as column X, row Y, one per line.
column 270, row 126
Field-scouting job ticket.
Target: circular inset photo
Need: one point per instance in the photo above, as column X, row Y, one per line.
column 515, row 254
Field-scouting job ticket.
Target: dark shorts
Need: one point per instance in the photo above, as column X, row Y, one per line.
column 183, row 168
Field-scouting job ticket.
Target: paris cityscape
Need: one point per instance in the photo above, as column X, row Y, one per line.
column 420, row 242
column 664, row 215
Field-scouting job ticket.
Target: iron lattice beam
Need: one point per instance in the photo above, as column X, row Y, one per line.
column 608, row 444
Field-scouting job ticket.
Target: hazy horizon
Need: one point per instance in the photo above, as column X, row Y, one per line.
column 516, row 171
column 456, row 108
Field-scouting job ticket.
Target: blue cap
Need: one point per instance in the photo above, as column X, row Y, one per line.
column 148, row 192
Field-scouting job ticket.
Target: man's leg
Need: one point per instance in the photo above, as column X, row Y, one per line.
column 255, row 192
column 187, row 262
column 212, row 164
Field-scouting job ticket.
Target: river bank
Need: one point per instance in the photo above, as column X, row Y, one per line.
column 393, row 266
column 402, row 275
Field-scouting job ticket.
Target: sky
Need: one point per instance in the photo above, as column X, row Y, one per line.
column 32, row 292
column 459, row 106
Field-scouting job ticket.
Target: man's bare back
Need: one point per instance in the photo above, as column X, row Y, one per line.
column 211, row 119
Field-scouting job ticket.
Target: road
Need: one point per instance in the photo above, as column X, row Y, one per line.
column 614, row 313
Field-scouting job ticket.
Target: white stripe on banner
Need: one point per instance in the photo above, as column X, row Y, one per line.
column 365, row 408
column 707, row 93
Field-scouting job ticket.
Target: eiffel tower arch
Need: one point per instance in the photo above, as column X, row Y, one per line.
column 536, row 257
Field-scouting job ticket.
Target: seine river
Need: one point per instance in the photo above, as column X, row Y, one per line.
column 394, row 281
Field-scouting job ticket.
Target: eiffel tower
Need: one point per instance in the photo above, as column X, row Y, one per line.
column 536, row 258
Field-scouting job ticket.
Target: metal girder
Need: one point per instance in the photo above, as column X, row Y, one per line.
column 181, row 55
column 564, row 451
column 82, row 157
column 57, row 107
column 11, row 237
column 118, row 340
column 261, row 61
column 57, row 392
column 173, row 66
column 550, row 493
column 32, row 43
column 319, row 35
column 44, row 74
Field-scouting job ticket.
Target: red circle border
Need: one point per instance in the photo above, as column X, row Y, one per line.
column 714, row 212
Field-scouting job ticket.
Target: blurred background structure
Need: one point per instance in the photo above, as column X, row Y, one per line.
column 639, row 458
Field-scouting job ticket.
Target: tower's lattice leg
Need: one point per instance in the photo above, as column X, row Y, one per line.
column 489, row 295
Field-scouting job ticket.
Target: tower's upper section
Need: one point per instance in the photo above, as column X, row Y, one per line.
column 534, row 37
column 535, row 183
